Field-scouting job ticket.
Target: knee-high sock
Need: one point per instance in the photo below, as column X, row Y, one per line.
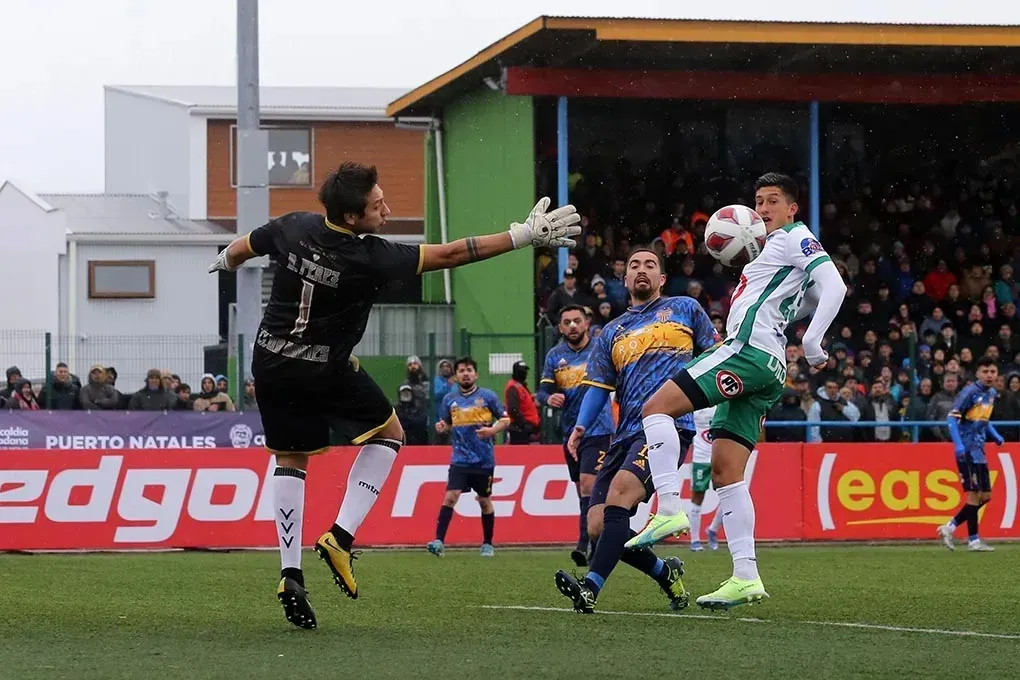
column 443, row 523
column 738, row 518
column 288, row 511
column 664, row 461
column 962, row 516
column 367, row 476
column 695, row 517
column 645, row 561
column 716, row 522
column 972, row 522
column 609, row 549
column 488, row 526
column 582, row 536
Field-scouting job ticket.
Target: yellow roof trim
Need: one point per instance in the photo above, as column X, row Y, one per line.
column 639, row 30
column 493, row 50
column 748, row 32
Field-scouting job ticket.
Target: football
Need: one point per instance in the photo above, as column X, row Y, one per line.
column 735, row 235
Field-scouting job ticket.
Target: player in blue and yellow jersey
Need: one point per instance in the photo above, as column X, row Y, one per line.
column 969, row 428
column 634, row 355
column 561, row 388
column 473, row 416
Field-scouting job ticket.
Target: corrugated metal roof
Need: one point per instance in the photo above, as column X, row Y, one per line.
column 341, row 101
column 745, row 20
column 124, row 214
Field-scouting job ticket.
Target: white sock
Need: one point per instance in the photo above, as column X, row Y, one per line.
column 288, row 511
column 368, row 474
column 737, row 510
column 664, row 460
column 716, row 521
column 695, row 517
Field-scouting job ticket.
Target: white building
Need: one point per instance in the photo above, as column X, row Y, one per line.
column 118, row 280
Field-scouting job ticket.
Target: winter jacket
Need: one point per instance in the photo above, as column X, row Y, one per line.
column 98, row 396
column 152, row 400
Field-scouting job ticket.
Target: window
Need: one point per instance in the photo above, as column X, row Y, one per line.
column 123, row 279
column 289, row 160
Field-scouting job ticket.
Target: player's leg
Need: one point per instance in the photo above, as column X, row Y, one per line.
column 735, row 430
column 697, row 498
column 574, row 472
column 292, row 432
column 582, row 597
column 712, row 533
column 983, row 496
column 363, row 414
column 968, row 513
column 590, row 454
column 482, row 485
column 455, row 484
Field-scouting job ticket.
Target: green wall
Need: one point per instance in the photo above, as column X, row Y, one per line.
column 388, row 372
column 489, row 159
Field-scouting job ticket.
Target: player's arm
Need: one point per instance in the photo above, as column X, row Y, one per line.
column 705, row 335
column 541, row 228
column 443, row 424
column 960, row 407
column 259, row 242
column 502, row 419
column 807, row 254
column 996, row 437
column 599, row 379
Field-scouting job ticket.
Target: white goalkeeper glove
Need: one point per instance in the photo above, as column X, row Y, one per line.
column 547, row 228
column 221, row 263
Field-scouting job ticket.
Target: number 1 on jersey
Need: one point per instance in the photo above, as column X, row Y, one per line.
column 304, row 309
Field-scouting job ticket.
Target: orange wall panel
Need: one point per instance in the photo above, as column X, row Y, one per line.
column 398, row 154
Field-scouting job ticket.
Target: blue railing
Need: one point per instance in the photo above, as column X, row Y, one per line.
column 914, row 425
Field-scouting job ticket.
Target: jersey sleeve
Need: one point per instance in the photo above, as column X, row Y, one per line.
column 267, row 239
column 804, row 251
column 444, row 409
column 963, row 402
column 705, row 334
column 600, row 370
column 495, row 408
column 549, row 370
column 390, row 260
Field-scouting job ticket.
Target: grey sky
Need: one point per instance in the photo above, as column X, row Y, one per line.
column 61, row 52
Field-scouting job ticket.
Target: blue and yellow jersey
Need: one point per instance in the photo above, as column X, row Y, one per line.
column 466, row 412
column 642, row 349
column 973, row 408
column 564, row 372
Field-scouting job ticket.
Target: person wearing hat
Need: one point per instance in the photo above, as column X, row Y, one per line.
column 13, row 376
column 412, row 415
column 567, row 294
column 521, row 407
column 211, row 398
column 153, row 397
column 98, row 394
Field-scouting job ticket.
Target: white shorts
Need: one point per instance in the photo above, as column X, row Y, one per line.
column 701, row 448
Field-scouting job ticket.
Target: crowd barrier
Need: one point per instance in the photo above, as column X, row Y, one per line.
column 205, row 498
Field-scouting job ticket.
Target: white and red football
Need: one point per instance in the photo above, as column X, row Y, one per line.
column 735, row 235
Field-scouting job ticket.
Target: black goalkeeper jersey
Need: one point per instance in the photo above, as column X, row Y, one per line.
column 326, row 282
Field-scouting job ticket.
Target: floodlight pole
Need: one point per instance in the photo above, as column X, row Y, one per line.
column 252, row 171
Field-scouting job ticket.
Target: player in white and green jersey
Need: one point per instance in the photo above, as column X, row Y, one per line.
column 744, row 376
column 701, row 471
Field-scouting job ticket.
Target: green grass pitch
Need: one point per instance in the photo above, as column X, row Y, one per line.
column 927, row 613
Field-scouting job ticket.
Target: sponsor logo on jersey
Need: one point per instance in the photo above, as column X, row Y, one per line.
column 663, row 315
column 810, row 246
column 729, row 384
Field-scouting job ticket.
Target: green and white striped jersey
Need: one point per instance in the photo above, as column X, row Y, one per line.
column 772, row 289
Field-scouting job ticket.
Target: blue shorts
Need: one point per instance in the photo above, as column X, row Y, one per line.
column 974, row 476
column 588, row 454
column 463, row 478
column 631, row 454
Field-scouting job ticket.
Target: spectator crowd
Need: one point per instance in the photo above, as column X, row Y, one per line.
column 162, row 391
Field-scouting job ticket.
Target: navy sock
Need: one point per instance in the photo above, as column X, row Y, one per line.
column 343, row 539
column 445, row 515
column 644, row 560
column 961, row 516
column 582, row 537
column 615, row 532
column 488, row 524
column 972, row 522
